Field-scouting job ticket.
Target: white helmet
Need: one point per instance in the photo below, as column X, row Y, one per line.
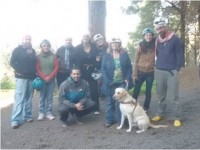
column 162, row 21
column 97, row 36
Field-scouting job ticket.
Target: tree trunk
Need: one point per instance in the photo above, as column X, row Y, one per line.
column 97, row 17
column 183, row 12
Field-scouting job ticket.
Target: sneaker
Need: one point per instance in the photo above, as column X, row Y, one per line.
column 50, row 117
column 156, row 118
column 41, row 117
column 15, row 126
column 177, row 123
column 64, row 124
column 96, row 112
column 29, row 120
column 108, row 125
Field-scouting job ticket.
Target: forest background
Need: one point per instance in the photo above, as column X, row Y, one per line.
column 125, row 19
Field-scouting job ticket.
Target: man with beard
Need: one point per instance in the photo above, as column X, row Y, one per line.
column 65, row 55
column 74, row 97
column 169, row 60
column 23, row 61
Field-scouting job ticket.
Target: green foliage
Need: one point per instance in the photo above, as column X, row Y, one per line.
column 7, row 83
column 143, row 89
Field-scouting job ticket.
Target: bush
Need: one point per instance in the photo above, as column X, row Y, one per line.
column 7, row 83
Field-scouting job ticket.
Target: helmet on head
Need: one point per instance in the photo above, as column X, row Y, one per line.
column 97, row 37
column 162, row 21
column 147, row 30
column 115, row 40
column 37, row 83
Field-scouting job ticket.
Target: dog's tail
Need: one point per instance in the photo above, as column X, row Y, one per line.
column 157, row 126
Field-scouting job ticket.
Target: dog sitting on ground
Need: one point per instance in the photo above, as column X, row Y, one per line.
column 133, row 111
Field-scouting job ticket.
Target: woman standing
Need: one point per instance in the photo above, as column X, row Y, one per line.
column 144, row 66
column 47, row 68
column 88, row 59
column 116, row 71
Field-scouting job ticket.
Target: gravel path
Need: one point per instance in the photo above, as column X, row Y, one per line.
column 93, row 135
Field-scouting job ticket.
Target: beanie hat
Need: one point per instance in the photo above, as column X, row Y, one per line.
column 160, row 21
column 97, row 37
column 46, row 42
column 147, row 30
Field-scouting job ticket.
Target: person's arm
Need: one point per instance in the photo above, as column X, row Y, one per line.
column 129, row 68
column 137, row 57
column 179, row 54
column 14, row 61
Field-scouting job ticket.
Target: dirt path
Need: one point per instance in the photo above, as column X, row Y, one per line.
column 93, row 135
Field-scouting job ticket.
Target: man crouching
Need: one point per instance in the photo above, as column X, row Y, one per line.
column 74, row 97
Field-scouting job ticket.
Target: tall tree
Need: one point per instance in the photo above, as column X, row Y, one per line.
column 97, row 17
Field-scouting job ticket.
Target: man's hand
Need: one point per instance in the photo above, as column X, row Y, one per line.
column 79, row 106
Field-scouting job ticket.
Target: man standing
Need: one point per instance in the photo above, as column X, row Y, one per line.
column 65, row 55
column 74, row 97
column 23, row 61
column 169, row 61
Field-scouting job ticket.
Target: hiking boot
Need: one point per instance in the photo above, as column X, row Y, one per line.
column 177, row 123
column 41, row 117
column 156, row 118
column 50, row 117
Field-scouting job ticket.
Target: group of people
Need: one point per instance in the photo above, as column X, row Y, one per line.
column 72, row 68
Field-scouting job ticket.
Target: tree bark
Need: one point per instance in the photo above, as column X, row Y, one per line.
column 183, row 12
column 97, row 17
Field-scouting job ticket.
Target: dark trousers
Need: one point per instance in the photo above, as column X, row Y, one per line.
column 94, row 93
column 64, row 111
column 138, row 84
column 61, row 77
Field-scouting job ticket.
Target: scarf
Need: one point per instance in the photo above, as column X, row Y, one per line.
column 169, row 35
column 147, row 46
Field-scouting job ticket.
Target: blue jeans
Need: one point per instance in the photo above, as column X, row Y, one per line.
column 149, row 83
column 22, row 107
column 112, row 105
column 46, row 97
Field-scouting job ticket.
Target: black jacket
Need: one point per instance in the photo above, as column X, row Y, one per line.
column 23, row 61
column 87, row 61
column 61, row 58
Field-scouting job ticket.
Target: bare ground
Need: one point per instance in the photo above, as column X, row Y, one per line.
column 93, row 135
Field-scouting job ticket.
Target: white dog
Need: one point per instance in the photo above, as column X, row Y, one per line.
column 133, row 111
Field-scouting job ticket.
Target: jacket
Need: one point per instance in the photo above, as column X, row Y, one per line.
column 108, row 68
column 144, row 61
column 169, row 53
column 23, row 61
column 61, row 58
column 87, row 61
column 71, row 92
column 47, row 65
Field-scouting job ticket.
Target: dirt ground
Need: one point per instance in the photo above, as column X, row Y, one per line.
column 93, row 135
